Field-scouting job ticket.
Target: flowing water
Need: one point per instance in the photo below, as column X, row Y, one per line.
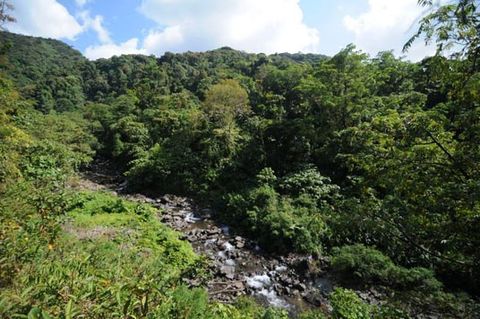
column 238, row 265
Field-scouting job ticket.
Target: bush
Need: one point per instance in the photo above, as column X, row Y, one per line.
column 347, row 305
column 275, row 221
column 313, row 314
column 279, row 222
column 371, row 266
column 310, row 182
column 107, row 261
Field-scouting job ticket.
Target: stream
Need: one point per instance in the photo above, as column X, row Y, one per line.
column 237, row 264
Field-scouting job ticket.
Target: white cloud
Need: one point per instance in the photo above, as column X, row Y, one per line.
column 110, row 49
column 252, row 25
column 166, row 39
column 45, row 18
column 388, row 25
column 96, row 24
column 81, row 3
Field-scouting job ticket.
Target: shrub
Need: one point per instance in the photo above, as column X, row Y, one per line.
column 275, row 221
column 313, row 314
column 278, row 222
column 371, row 266
column 347, row 305
column 310, row 182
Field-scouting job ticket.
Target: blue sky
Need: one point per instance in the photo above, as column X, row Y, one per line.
column 102, row 28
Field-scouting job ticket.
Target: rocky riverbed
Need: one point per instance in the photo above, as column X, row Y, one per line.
column 238, row 265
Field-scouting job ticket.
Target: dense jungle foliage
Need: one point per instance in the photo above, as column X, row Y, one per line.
column 374, row 161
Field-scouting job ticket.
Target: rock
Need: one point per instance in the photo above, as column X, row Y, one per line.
column 286, row 280
column 230, row 262
column 278, row 288
column 177, row 219
column 239, row 285
column 214, row 231
column 228, row 271
column 206, row 213
column 314, row 298
column 300, row 286
column 239, row 244
column 166, row 218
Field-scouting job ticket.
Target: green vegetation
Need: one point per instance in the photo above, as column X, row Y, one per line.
column 284, row 222
column 371, row 266
column 347, row 305
column 50, row 74
column 372, row 160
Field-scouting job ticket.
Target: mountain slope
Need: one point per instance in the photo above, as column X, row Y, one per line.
column 46, row 70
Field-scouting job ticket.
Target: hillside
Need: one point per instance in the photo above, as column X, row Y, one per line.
column 49, row 71
column 320, row 187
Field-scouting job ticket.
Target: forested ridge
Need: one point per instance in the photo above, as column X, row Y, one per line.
column 369, row 163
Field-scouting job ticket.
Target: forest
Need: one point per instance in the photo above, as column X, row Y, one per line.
column 368, row 165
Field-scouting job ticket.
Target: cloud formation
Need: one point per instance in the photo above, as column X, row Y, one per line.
column 96, row 24
column 81, row 3
column 388, row 25
column 44, row 18
column 256, row 26
column 50, row 19
column 110, row 49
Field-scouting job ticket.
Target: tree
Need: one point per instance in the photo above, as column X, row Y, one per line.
column 5, row 17
column 454, row 27
column 226, row 101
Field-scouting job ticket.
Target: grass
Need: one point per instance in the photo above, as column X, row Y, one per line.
column 111, row 258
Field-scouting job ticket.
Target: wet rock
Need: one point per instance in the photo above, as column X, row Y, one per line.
column 324, row 285
column 206, row 213
column 239, row 285
column 228, row 271
column 234, row 257
column 225, row 229
column 300, row 286
column 314, row 298
column 239, row 242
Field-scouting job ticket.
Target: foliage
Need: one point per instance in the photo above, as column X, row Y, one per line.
column 347, row 305
column 5, row 16
column 371, row 266
column 51, row 75
column 453, row 26
column 280, row 222
column 300, row 152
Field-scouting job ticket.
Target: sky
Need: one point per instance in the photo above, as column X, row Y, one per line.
column 103, row 28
